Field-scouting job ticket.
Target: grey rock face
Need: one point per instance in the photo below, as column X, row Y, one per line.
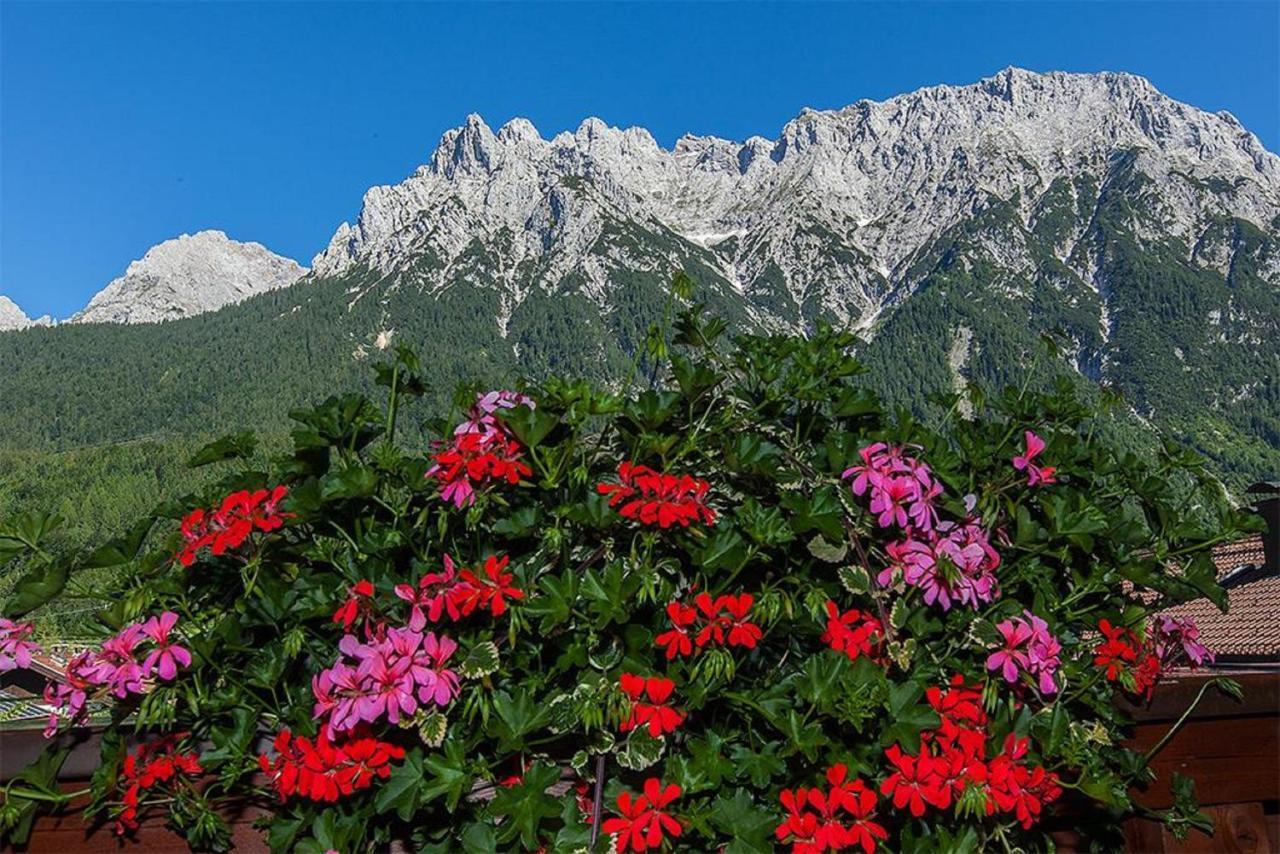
column 12, row 317
column 838, row 207
column 189, row 275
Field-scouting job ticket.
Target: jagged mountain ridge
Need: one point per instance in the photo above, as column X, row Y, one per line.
column 188, row 275
column 838, row 207
column 950, row 227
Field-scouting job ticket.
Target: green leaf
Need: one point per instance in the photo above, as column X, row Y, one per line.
column 481, row 660
column 38, row 585
column 239, row 446
column 526, row 805
column 748, row 826
column 530, row 426
column 401, row 790
column 122, row 549
column 640, row 750
column 827, row 552
column 445, row 775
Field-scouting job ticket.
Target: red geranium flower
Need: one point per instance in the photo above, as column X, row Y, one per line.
column 724, row 621
column 677, row 639
column 155, row 765
column 915, row 782
column 654, row 715
column 643, row 823
column 832, row 821
column 322, row 770
column 855, row 633
column 490, row 590
column 653, row 498
column 238, row 516
column 356, row 603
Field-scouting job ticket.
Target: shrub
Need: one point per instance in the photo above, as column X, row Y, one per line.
column 742, row 607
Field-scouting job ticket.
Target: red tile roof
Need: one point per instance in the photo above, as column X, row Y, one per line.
column 1250, row 630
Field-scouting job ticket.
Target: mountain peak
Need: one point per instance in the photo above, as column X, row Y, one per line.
column 12, row 317
column 190, row 274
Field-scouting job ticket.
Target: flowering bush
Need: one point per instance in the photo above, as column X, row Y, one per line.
column 742, row 608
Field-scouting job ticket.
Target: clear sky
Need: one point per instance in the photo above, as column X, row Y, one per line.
column 123, row 125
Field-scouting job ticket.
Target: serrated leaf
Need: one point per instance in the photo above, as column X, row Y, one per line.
column 640, row 750
column 433, row 729
column 899, row 613
column 482, row 660
column 854, row 579
column 827, row 552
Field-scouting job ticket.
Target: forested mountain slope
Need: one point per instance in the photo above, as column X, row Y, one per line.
column 950, row 227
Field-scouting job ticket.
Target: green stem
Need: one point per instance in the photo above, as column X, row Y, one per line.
column 1159, row 745
column 393, row 404
column 33, row 795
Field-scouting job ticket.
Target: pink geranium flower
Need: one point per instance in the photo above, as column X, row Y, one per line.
column 16, row 646
column 1027, row 647
column 166, row 657
column 1036, row 475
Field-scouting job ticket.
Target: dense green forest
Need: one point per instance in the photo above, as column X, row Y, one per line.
column 97, row 420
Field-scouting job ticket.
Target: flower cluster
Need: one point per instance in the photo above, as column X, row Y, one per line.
column 653, row 498
column 1027, row 647
column 954, row 563
column 649, row 708
column 123, row 666
column 152, row 766
column 643, row 822
column 1174, row 636
column 239, row 515
column 901, row 489
column 457, row 595
column 834, row 820
column 482, row 452
column 951, row 562
column 325, row 770
column 722, row 621
column 1138, row 663
column 952, row 762
column 16, row 646
column 1036, row 475
column 855, row 633
column 388, row 677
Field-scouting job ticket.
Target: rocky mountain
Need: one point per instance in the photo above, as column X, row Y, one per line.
column 832, row 216
column 12, row 317
column 951, row 227
column 189, row 275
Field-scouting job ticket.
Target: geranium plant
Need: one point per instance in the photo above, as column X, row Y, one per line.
column 739, row 609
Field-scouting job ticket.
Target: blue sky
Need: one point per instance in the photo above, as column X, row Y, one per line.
column 123, row 125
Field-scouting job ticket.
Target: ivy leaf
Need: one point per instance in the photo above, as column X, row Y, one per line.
column 758, row 767
column 526, row 805
column 530, row 426
column 446, row 775
column 38, row 585
column 25, row 533
column 122, row 549
column 400, row 791
column 748, row 826
column 725, row 550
